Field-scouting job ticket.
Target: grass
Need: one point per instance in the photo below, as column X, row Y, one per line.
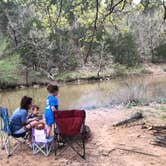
column 122, row 70
column 112, row 71
column 162, row 108
column 163, row 116
column 79, row 74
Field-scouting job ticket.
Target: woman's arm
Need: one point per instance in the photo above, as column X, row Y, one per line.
column 24, row 117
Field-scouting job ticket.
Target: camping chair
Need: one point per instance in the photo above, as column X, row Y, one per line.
column 71, row 127
column 40, row 143
column 6, row 135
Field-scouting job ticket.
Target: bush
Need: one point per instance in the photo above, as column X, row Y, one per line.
column 120, row 70
column 123, row 49
column 159, row 54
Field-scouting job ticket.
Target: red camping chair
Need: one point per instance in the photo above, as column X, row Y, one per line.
column 71, row 127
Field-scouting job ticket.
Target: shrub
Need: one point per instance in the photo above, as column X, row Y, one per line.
column 159, row 54
column 123, row 49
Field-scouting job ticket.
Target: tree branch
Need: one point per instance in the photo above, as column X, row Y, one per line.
column 93, row 33
column 112, row 8
column 60, row 10
column 164, row 5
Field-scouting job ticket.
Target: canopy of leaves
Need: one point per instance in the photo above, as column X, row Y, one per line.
column 65, row 34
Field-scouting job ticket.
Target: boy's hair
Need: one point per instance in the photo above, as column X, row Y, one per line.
column 35, row 106
column 52, row 88
column 25, row 102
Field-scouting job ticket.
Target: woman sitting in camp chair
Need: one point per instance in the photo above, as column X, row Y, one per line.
column 18, row 122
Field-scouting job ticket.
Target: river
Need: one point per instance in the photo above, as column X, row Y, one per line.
column 93, row 95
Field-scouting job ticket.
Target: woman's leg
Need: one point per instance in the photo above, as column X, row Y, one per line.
column 20, row 131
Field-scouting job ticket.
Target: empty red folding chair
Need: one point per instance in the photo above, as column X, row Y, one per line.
column 71, row 127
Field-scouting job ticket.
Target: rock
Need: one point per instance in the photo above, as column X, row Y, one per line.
column 78, row 81
column 36, row 86
column 22, row 87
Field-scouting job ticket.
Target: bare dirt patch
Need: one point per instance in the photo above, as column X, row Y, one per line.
column 120, row 146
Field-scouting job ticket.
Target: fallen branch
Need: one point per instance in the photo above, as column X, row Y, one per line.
column 159, row 133
column 163, row 127
column 135, row 117
column 129, row 150
column 135, row 151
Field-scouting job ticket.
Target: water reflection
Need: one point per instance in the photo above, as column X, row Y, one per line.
column 93, row 95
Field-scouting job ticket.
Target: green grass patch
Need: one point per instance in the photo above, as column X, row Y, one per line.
column 122, row 70
column 162, row 108
column 73, row 75
column 163, row 116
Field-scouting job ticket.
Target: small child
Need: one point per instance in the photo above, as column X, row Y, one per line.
column 51, row 106
column 35, row 112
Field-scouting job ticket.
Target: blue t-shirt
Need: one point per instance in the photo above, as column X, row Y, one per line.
column 18, row 119
column 51, row 101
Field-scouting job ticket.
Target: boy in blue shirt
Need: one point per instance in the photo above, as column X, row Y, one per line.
column 51, row 106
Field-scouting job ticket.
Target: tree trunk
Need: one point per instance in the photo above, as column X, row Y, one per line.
column 26, row 76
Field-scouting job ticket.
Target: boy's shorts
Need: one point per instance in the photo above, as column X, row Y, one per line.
column 49, row 119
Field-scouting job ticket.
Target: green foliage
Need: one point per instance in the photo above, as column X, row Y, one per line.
column 123, row 49
column 161, row 101
column 162, row 108
column 145, row 71
column 9, row 69
column 3, row 45
column 9, row 64
column 159, row 54
column 133, row 104
column 58, row 35
column 136, row 103
column 120, row 70
column 163, row 117
column 123, row 70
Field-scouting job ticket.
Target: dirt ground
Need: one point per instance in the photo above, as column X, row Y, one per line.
column 108, row 146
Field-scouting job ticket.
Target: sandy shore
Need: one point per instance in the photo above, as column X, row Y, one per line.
column 121, row 146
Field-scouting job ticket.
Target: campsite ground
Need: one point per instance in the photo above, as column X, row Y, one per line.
column 120, row 146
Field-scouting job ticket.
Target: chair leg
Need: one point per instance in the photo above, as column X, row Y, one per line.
column 7, row 146
column 10, row 151
column 83, row 144
column 2, row 140
column 55, row 148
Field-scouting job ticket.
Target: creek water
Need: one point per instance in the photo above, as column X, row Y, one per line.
column 93, row 95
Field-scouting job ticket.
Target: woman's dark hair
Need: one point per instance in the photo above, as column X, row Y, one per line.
column 25, row 102
column 35, row 106
column 52, row 88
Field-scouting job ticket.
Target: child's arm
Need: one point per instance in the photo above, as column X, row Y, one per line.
column 53, row 104
column 53, row 108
